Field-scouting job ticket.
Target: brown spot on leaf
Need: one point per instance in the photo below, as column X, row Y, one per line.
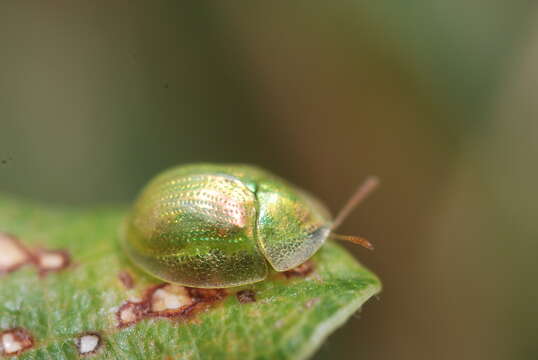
column 168, row 300
column 246, row 296
column 88, row 343
column 302, row 270
column 126, row 279
column 131, row 312
column 13, row 254
column 207, row 295
column 51, row 260
column 15, row 341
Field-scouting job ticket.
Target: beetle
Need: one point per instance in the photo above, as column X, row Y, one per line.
column 218, row 226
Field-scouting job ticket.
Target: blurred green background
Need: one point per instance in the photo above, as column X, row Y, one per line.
column 438, row 98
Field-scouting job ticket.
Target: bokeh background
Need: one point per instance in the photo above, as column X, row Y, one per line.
column 438, row 98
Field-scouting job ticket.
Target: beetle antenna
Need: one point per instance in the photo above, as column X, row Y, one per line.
column 360, row 194
column 354, row 239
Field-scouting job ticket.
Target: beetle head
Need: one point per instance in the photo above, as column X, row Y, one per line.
column 292, row 225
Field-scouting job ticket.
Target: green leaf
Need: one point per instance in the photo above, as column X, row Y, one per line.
column 289, row 319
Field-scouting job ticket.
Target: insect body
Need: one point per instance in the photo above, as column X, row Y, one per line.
column 215, row 226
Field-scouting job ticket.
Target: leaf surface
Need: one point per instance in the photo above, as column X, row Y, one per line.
column 66, row 310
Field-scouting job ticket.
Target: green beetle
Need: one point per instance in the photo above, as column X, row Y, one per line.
column 217, row 226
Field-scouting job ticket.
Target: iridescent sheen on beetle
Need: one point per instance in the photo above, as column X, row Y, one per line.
column 215, row 226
